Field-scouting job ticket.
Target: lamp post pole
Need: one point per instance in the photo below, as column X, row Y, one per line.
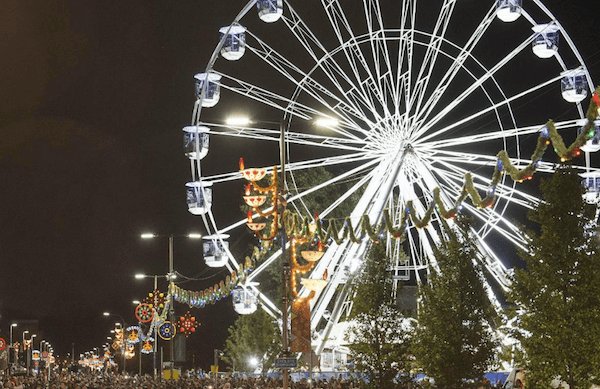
column 171, row 276
column 29, row 353
column 155, row 334
column 24, row 346
column 171, row 307
column 155, row 312
column 11, row 349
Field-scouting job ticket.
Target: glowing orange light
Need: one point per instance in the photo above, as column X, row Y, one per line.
column 320, row 246
column 247, row 189
column 241, row 163
column 249, row 216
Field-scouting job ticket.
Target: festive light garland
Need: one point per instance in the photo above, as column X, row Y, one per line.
column 199, row 299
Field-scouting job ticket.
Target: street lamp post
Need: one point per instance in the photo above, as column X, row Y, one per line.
column 155, row 276
column 24, row 346
column 29, row 351
column 123, row 325
column 11, row 350
column 171, row 276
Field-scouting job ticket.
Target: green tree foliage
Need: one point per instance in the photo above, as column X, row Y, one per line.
column 252, row 335
column 454, row 340
column 558, row 292
column 379, row 336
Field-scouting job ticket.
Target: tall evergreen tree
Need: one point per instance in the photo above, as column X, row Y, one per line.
column 380, row 336
column 454, row 337
column 558, row 291
column 255, row 335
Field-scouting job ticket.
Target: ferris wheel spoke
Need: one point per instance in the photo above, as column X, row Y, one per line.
column 486, row 256
column 495, row 135
column 300, row 165
column 428, row 236
column 344, row 196
column 356, row 59
column 455, row 187
column 484, row 111
column 457, row 65
column 309, row 85
column 429, row 61
column 455, row 102
column 379, row 50
column 291, row 137
column 330, row 68
column 405, row 53
column 489, row 160
column 269, row 98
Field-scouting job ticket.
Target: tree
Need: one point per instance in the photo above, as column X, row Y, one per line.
column 558, row 292
column 379, row 336
column 253, row 335
column 454, row 337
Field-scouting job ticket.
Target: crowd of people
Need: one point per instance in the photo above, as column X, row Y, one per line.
column 98, row 380
column 116, row 381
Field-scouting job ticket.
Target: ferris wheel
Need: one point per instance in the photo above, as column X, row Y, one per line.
column 398, row 98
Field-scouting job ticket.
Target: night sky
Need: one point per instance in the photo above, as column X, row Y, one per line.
column 93, row 96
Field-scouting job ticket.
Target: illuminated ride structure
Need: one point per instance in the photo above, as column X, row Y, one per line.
column 412, row 99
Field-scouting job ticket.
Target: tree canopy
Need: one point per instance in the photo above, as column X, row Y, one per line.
column 557, row 294
column 454, row 339
column 379, row 336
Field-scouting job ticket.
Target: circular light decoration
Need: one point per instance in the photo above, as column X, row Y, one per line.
column 133, row 334
column 187, row 324
column 144, row 313
column 166, row 331
column 116, row 345
column 148, row 346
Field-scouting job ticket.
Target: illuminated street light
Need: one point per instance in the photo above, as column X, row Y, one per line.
column 238, row 121
column 327, row 122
